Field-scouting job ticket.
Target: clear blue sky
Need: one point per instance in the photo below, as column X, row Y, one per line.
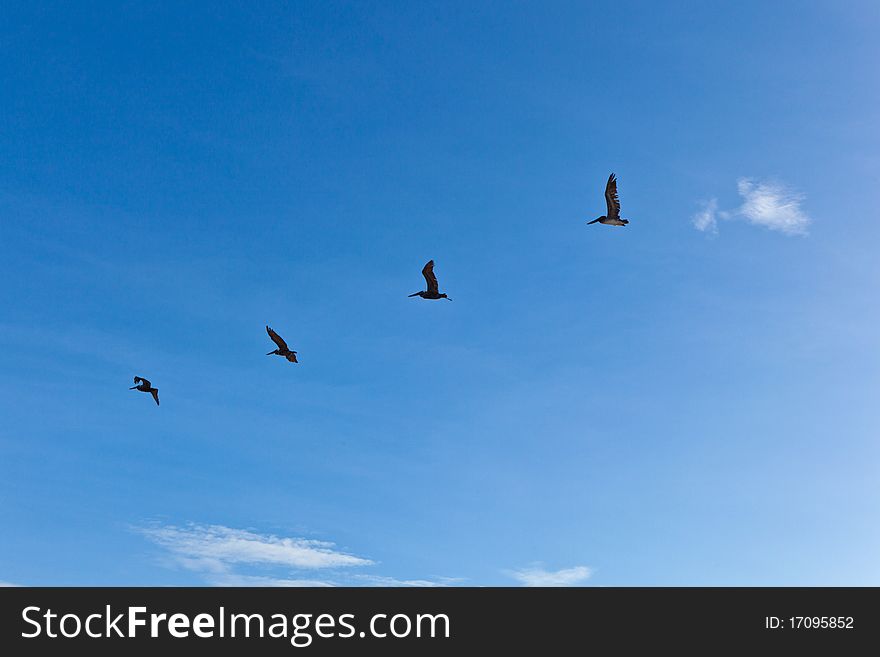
column 649, row 405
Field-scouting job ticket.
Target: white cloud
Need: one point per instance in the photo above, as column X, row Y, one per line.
column 379, row 580
column 773, row 206
column 237, row 557
column 537, row 576
column 214, row 548
column 768, row 204
column 705, row 219
column 7, row 584
column 234, row 579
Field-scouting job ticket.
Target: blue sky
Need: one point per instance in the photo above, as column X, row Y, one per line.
column 690, row 400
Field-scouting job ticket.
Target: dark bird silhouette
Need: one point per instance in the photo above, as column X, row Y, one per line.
column 283, row 349
column 613, row 203
column 140, row 383
column 433, row 291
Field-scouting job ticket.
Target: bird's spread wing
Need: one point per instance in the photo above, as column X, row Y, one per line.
column 428, row 273
column 155, row 394
column 276, row 339
column 611, row 199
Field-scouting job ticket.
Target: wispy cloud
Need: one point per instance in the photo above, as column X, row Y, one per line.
column 538, row 576
column 223, row 556
column 235, row 579
column 7, row 584
column 773, row 206
column 379, row 580
column 706, row 219
column 214, row 548
column 768, row 204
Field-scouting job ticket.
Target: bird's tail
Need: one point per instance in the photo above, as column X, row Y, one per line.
column 133, row 388
column 625, row 221
column 592, row 222
column 414, row 294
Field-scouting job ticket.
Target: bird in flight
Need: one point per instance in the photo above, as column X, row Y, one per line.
column 283, row 349
column 613, row 203
column 140, row 383
column 433, row 291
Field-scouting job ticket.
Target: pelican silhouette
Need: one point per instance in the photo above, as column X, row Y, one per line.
column 140, row 383
column 433, row 291
column 283, row 349
column 613, row 203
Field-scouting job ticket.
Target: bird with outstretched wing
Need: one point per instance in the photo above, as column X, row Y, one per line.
column 283, row 349
column 433, row 291
column 613, row 203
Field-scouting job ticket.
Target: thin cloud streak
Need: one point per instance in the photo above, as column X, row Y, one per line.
column 214, row 547
column 379, row 580
column 234, row 579
column 220, row 553
column 538, row 576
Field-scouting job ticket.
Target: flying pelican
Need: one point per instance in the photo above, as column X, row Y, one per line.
column 433, row 289
column 140, row 383
column 283, row 349
column 613, row 203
